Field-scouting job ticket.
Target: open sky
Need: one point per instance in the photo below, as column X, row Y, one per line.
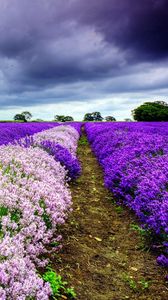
column 77, row 56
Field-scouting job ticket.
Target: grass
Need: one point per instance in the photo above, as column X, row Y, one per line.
column 58, row 286
column 146, row 237
column 119, row 209
column 136, row 285
column 83, row 141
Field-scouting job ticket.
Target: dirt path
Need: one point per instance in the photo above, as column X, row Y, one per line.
column 101, row 256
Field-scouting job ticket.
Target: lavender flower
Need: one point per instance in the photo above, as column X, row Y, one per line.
column 134, row 158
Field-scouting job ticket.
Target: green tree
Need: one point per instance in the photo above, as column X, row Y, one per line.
column 24, row 116
column 59, row 118
column 20, row 117
column 127, row 120
column 68, row 119
column 110, row 119
column 88, row 117
column 27, row 115
column 151, row 111
column 94, row 117
column 38, row 120
column 97, row 116
column 62, row 118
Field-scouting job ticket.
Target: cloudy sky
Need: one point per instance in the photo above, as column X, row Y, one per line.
column 76, row 56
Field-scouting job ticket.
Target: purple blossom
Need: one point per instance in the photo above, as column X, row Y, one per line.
column 62, row 155
column 162, row 261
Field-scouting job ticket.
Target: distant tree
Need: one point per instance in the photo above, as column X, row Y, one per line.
column 97, row 116
column 151, row 111
column 20, row 117
column 62, row 118
column 24, row 116
column 94, row 116
column 68, row 119
column 59, row 118
column 88, row 117
column 27, row 115
column 110, row 119
column 38, row 120
column 127, row 120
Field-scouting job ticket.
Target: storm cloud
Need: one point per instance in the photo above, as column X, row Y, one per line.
column 82, row 51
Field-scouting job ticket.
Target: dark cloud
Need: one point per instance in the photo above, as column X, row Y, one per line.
column 141, row 26
column 58, row 50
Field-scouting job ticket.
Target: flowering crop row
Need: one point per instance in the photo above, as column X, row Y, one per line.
column 60, row 145
column 134, row 158
column 76, row 125
column 14, row 131
column 34, row 200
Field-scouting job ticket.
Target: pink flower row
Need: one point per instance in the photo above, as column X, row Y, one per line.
column 34, row 200
column 66, row 136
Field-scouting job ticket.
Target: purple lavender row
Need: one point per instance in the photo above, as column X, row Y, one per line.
column 34, row 200
column 62, row 149
column 15, row 131
column 76, row 125
column 134, row 158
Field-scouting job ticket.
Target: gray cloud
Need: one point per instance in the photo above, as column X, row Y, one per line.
column 68, row 50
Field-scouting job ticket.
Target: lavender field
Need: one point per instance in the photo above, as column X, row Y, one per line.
column 83, row 150
column 43, row 181
column 134, row 159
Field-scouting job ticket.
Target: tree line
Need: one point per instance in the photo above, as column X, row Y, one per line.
column 94, row 116
column 148, row 111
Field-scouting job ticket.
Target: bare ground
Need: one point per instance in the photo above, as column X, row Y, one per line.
column 102, row 257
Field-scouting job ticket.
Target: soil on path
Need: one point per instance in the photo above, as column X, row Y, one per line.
column 101, row 256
